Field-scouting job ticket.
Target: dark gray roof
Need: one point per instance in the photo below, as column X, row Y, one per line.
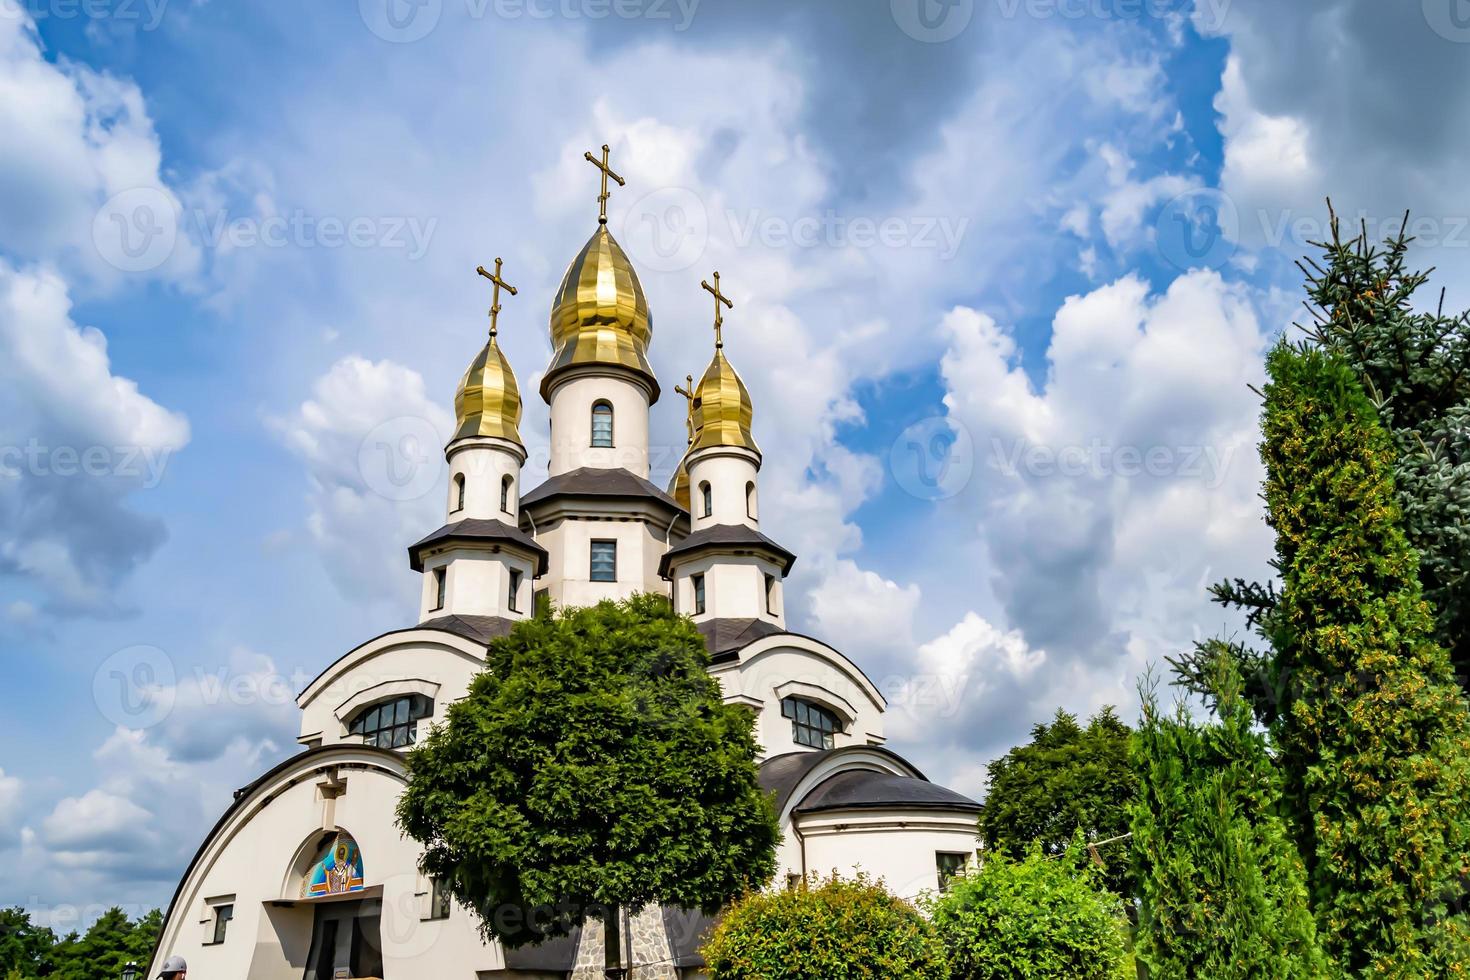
column 780, row 774
column 479, row 529
column 594, row 482
column 481, row 629
column 725, row 637
column 727, row 537
column 557, row 955
column 865, row 789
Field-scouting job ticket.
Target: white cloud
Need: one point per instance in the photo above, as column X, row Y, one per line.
column 77, row 440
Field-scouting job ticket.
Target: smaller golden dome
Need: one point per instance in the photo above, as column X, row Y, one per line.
column 679, row 485
column 722, row 408
column 600, row 315
column 488, row 402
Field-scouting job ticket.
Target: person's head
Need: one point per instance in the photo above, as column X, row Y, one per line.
column 174, row 968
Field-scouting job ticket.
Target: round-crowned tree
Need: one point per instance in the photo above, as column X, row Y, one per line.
column 1038, row 918
column 849, row 928
column 592, row 767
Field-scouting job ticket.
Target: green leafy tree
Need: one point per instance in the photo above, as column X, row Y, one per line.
column 593, row 766
column 108, row 945
column 1415, row 367
column 834, row 928
column 1372, row 732
column 1065, row 779
column 25, row 948
column 1221, row 889
column 1042, row 917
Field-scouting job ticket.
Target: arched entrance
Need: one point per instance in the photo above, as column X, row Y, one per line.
column 346, row 916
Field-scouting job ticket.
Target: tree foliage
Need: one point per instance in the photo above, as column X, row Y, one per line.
column 851, row 929
column 30, row 952
column 592, row 766
column 1221, row 889
column 1065, row 779
column 1372, row 731
column 1038, row 918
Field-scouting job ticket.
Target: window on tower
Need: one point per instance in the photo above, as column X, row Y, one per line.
column 698, row 582
column 604, row 561
column 392, row 724
column 506, row 483
column 439, row 588
column 602, row 425
column 811, row 725
column 515, row 590
column 750, row 500
column 706, row 499
column 459, row 491
column 771, row 594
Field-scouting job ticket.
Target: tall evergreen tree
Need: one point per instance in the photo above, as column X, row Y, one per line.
column 1066, row 778
column 1372, row 731
column 1221, row 889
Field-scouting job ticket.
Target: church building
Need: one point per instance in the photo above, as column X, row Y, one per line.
column 306, row 874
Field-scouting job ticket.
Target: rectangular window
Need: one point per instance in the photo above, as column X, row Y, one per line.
column 604, row 561
column 771, row 594
column 439, row 585
column 602, row 425
column 439, row 902
column 949, row 867
column 811, row 725
column 222, row 916
column 515, row 590
column 698, row 583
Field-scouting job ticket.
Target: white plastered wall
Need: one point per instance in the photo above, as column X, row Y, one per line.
column 729, row 472
column 571, row 424
column 734, row 588
column 569, row 542
column 484, row 463
column 898, row 846
column 476, row 583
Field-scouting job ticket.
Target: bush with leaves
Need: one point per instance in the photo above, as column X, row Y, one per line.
column 852, row 929
column 111, row 942
column 1372, row 732
column 1066, row 778
column 1220, row 886
column 1038, row 918
column 592, row 766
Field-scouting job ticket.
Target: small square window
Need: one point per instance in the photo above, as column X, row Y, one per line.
column 949, row 866
column 604, row 561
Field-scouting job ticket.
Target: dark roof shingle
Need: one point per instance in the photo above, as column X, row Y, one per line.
column 589, row 481
column 479, row 529
column 737, row 537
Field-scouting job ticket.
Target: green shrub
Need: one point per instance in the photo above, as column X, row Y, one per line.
column 836, row 929
column 1033, row 919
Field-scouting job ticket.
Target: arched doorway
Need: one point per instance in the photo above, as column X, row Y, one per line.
column 346, row 915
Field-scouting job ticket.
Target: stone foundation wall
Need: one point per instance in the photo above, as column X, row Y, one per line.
column 652, row 955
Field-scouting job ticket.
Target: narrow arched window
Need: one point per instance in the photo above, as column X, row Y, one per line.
column 602, row 425
column 459, row 491
column 750, row 500
column 771, row 594
column 706, row 499
column 506, row 482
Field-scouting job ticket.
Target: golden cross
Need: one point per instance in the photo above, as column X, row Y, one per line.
column 606, row 173
column 688, row 393
column 495, row 298
column 719, row 317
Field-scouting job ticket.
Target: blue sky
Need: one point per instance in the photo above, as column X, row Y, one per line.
column 1004, row 270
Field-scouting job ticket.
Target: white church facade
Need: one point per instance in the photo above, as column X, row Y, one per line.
column 306, row 875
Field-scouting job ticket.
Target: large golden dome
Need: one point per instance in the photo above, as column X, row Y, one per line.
column 488, row 402
column 722, row 408
column 600, row 315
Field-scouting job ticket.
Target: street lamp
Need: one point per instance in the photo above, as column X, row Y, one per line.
column 130, row 972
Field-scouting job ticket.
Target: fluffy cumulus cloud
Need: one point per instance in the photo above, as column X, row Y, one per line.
column 77, row 442
column 80, row 180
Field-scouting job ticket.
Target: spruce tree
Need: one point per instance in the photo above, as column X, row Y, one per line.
column 1221, row 889
column 1372, row 732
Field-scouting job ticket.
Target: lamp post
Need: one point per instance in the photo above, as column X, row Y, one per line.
column 130, row 972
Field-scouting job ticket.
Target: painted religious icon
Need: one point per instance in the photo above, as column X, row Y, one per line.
column 337, row 872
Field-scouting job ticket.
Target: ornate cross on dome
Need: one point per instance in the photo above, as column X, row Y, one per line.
column 495, row 297
column 719, row 317
column 688, row 394
column 606, row 173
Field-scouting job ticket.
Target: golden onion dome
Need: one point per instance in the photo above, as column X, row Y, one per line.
column 679, row 485
column 600, row 315
column 722, row 408
column 488, row 402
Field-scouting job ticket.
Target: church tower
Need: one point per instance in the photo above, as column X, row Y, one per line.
column 480, row 566
column 604, row 525
column 726, row 569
